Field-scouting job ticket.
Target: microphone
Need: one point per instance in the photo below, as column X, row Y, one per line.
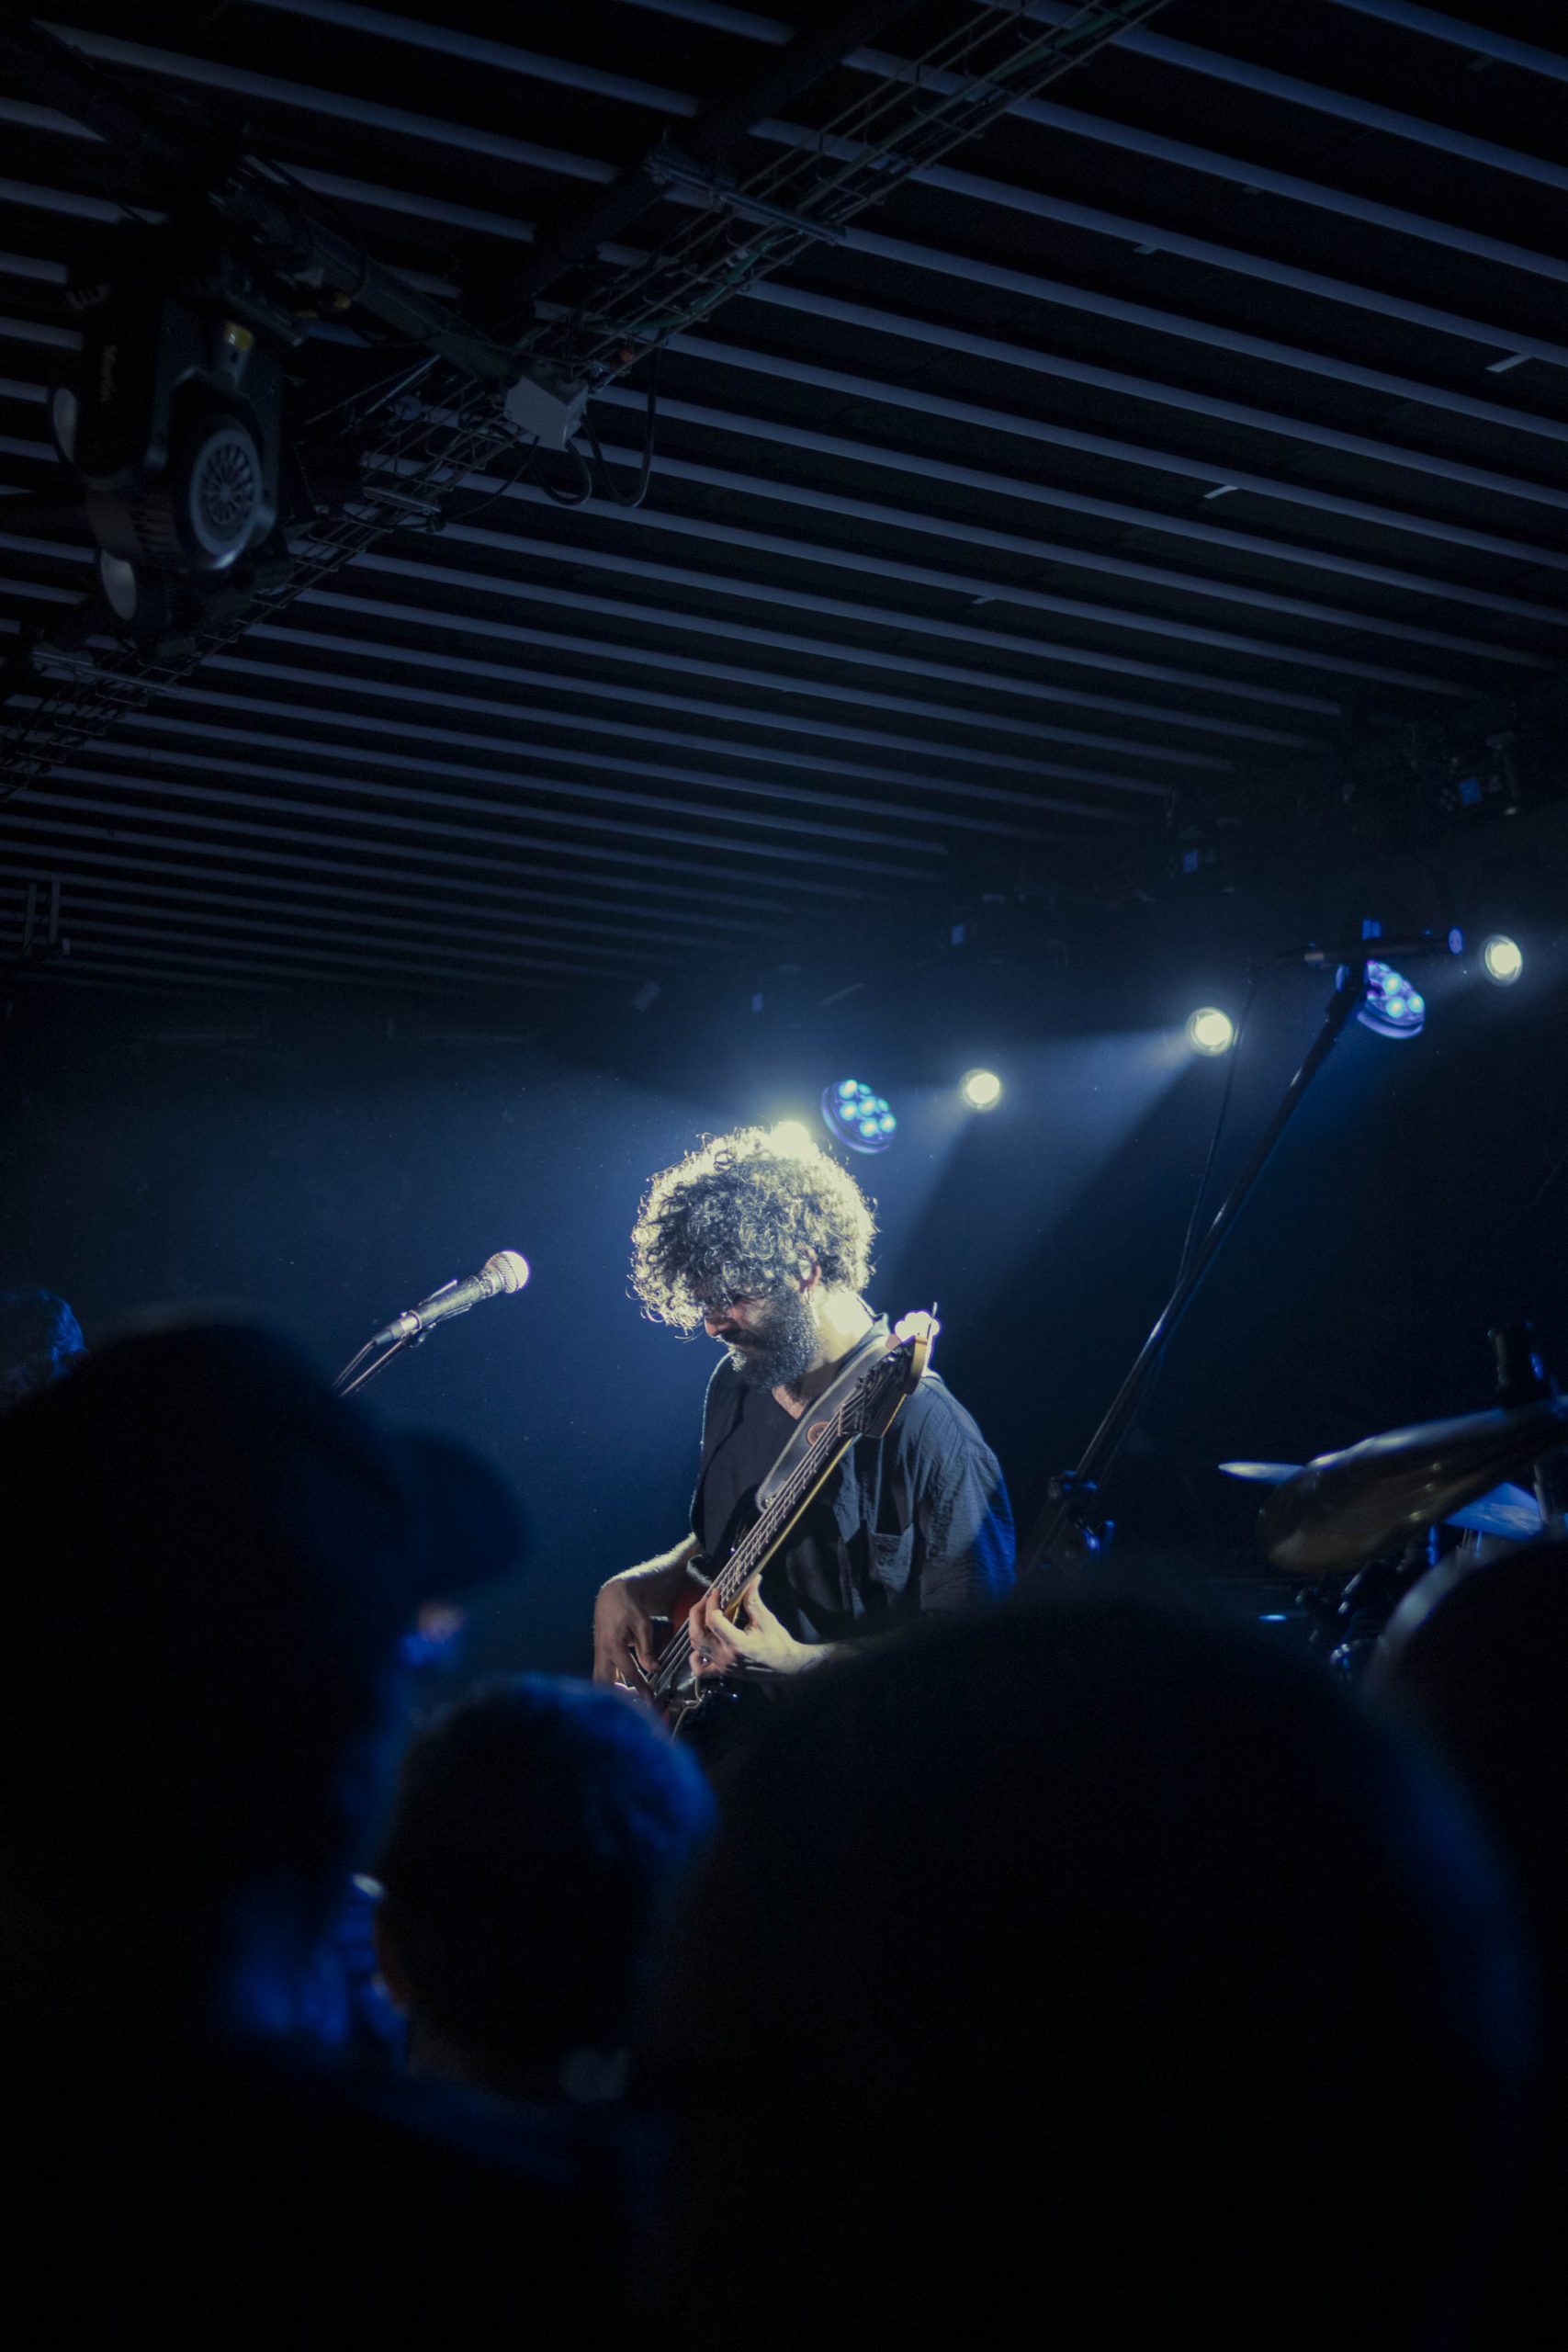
column 1399, row 948
column 507, row 1270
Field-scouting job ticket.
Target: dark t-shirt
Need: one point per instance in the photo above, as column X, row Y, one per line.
column 910, row 1523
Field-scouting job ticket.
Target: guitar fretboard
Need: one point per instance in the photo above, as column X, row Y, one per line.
column 750, row 1555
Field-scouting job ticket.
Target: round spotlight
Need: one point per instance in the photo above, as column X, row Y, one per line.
column 853, row 1114
column 1502, row 959
column 1209, row 1031
column 1392, row 1006
column 981, row 1089
column 792, row 1138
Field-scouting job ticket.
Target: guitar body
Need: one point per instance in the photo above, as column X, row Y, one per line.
column 862, row 1402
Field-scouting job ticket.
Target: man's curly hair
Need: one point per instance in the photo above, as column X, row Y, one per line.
column 738, row 1218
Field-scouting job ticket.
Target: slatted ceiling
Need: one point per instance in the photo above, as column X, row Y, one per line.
column 1145, row 447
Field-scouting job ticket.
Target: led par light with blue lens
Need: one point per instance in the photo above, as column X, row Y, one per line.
column 1391, row 1006
column 853, row 1114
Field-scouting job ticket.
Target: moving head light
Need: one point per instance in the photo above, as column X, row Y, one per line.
column 173, row 423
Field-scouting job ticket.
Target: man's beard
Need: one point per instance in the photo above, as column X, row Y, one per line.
column 779, row 1347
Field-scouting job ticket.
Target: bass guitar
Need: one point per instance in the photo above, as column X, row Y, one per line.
column 863, row 1402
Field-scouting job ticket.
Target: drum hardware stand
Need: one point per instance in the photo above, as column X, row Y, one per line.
column 1523, row 1379
column 1070, row 1528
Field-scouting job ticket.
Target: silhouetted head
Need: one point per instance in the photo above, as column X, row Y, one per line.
column 209, row 1559
column 1088, row 1960
column 1478, row 1657
column 537, row 1831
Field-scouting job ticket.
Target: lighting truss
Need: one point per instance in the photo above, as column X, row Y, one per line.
column 451, row 419
column 999, row 56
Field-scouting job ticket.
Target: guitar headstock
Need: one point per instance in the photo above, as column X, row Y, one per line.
column 901, row 1371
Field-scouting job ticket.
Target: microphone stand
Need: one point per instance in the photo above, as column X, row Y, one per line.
column 351, row 1377
column 1070, row 1499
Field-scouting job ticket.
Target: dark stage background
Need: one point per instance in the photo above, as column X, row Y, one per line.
column 327, row 1174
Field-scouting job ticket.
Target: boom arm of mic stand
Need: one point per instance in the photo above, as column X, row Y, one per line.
column 1063, row 1501
column 351, row 1377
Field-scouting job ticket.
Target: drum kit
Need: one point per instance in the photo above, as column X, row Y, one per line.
column 1365, row 1529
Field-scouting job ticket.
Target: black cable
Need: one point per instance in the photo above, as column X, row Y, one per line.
column 487, row 498
column 645, row 471
column 1191, row 1239
column 571, row 498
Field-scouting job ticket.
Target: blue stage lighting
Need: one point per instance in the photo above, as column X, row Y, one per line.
column 1502, row 960
column 1209, row 1031
column 1392, row 1006
column 853, row 1114
column 981, row 1089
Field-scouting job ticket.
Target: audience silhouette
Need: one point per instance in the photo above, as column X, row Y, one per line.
column 538, row 1830
column 1087, row 1966
column 210, row 1560
column 1090, row 1970
column 1477, row 1656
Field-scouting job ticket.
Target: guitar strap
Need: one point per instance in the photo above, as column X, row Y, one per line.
column 821, row 1408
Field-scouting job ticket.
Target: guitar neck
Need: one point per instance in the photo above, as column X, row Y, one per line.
column 760, row 1542
column 858, row 1411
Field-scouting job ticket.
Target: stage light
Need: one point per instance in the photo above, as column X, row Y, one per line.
column 1209, row 1031
column 1393, row 1007
column 853, row 1114
column 1502, row 960
column 981, row 1089
column 792, row 1137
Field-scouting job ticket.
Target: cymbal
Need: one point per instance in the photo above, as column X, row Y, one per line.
column 1343, row 1508
column 1507, row 1511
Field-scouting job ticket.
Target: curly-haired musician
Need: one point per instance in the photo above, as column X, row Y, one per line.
column 769, row 1253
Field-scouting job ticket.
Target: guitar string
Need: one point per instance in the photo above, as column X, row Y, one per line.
column 678, row 1647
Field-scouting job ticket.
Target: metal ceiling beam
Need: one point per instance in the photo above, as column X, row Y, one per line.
column 927, row 669
column 711, row 135
column 1066, row 554
column 1209, row 471
column 222, row 909
column 947, row 336
column 325, row 964
column 572, row 73
column 1147, row 237
column 167, row 924
column 404, row 123
column 750, row 714
column 131, row 979
column 1099, row 303
column 426, row 696
column 246, row 893
column 924, row 402
column 333, row 106
column 1241, row 73
column 1314, row 97
column 976, row 587
column 923, row 467
column 782, row 641
column 826, row 825
column 1252, row 177
column 841, row 608
column 712, row 843
column 476, row 894
column 436, row 839
column 1478, row 38
column 1139, row 387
